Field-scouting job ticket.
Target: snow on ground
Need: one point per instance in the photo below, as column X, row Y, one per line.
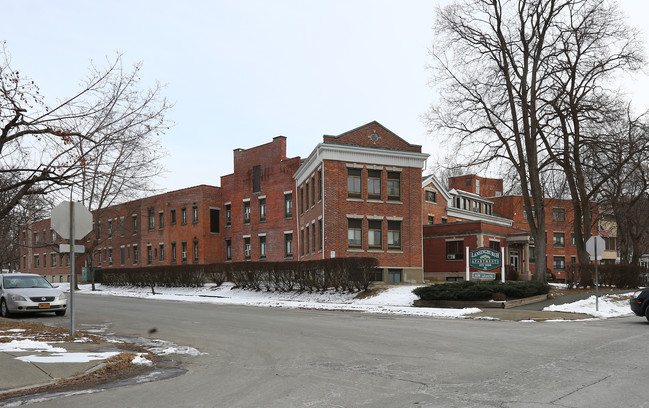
column 608, row 305
column 395, row 299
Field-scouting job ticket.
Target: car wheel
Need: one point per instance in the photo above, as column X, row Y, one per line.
column 60, row 312
column 4, row 310
column 646, row 312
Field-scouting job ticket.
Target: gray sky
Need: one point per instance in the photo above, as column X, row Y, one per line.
column 243, row 72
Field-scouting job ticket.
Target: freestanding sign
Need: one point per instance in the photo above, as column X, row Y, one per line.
column 485, row 259
column 71, row 221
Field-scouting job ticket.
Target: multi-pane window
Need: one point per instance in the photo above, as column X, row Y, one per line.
column 173, row 216
column 394, row 186
column 195, row 251
column 110, row 256
column 431, row 219
column 559, row 263
column 53, row 263
column 121, row 255
column 121, row 226
column 306, row 186
column 320, row 239
column 394, row 234
column 228, row 249
column 532, row 256
column 194, row 214
column 313, row 190
column 610, row 243
column 559, row 240
column 374, row 184
column 288, row 245
column 151, row 218
column 246, row 248
column 319, row 184
column 495, row 245
column 173, row 253
column 558, row 214
column 374, row 234
column 246, row 212
column 313, row 235
column 183, row 215
column 149, row 255
column 110, row 228
column 136, row 254
column 134, row 222
column 228, row 215
column 305, row 240
column 354, row 233
column 301, row 200
column 161, row 220
column 161, row 251
column 288, row 205
column 526, row 216
column 262, row 209
column 262, row 246
column 35, row 237
column 354, row 183
column 431, row 196
column 44, row 259
column 36, row 261
column 454, row 250
column 53, row 235
column 183, row 251
column 572, row 239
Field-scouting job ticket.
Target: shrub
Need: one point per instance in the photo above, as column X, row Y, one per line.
column 481, row 290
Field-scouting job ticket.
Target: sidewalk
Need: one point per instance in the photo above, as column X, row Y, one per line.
column 516, row 314
column 50, row 360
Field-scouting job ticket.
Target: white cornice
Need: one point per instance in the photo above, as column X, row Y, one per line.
column 358, row 154
column 476, row 216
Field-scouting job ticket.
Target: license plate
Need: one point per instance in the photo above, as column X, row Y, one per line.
column 43, row 305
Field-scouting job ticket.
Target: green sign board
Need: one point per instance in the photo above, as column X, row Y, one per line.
column 484, row 259
column 483, row 275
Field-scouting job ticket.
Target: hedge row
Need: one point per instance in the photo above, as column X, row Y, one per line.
column 345, row 274
column 618, row 275
column 481, row 290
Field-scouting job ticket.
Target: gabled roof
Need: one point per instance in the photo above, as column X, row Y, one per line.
column 374, row 135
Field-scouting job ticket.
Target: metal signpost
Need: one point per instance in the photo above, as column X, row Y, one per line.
column 71, row 221
column 595, row 247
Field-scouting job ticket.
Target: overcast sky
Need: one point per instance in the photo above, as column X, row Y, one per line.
column 243, row 72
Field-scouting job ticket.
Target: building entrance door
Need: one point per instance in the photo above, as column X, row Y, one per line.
column 514, row 259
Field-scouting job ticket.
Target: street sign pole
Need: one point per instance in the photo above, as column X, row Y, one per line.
column 596, row 281
column 73, row 278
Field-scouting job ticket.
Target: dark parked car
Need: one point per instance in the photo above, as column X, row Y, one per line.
column 28, row 292
column 639, row 302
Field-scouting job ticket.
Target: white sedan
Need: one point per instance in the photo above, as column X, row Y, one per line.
column 29, row 293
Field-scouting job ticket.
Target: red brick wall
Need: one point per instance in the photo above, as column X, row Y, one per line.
column 361, row 137
column 276, row 178
column 489, row 187
column 338, row 207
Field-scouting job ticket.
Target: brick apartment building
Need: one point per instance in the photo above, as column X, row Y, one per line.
column 482, row 217
column 357, row 194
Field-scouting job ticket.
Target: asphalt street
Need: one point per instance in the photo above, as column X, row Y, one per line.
column 271, row 357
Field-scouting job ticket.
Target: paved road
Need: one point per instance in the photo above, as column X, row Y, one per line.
column 267, row 357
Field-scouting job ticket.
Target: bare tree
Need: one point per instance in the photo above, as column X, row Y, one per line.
column 487, row 60
column 584, row 120
column 520, row 81
column 77, row 141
